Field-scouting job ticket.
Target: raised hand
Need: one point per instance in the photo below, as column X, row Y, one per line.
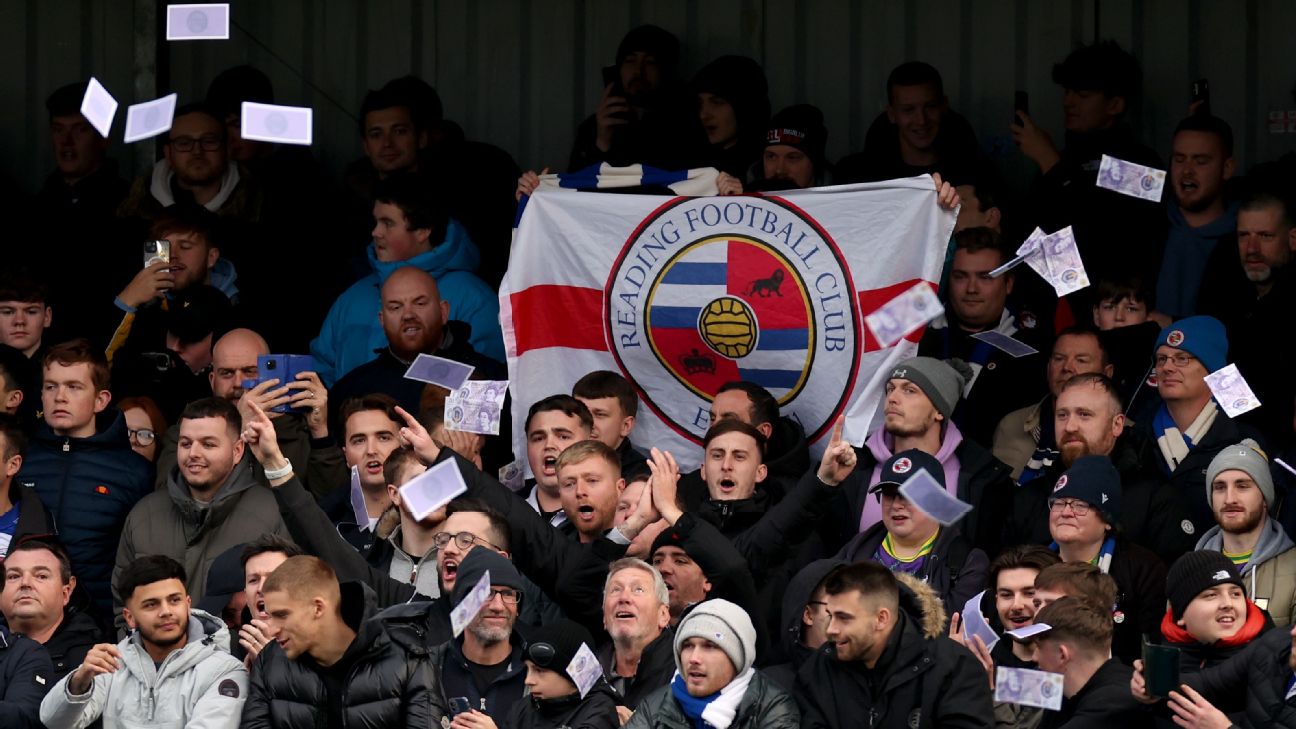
column 259, row 435
column 664, row 484
column 309, row 392
column 946, row 196
column 838, row 458
column 528, row 183
column 267, row 396
column 151, row 282
column 1034, row 142
column 416, row 436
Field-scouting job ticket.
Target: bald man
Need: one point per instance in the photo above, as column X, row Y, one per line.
column 304, row 437
column 415, row 320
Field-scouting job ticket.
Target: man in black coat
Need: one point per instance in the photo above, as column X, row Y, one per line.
column 636, row 614
column 1089, row 422
column 887, row 662
column 40, row 601
column 415, row 320
column 331, row 662
column 1094, row 684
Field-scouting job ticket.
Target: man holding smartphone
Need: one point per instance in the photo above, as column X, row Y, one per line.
column 152, row 350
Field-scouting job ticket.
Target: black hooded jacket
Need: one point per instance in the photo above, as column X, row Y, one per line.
column 596, row 711
column 1104, row 702
column 923, row 680
column 656, row 667
column 795, row 598
column 385, row 678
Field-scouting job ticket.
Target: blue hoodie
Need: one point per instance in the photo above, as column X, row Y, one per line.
column 1187, row 252
column 352, row 332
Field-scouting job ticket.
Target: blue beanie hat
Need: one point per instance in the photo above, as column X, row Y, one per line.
column 1201, row 336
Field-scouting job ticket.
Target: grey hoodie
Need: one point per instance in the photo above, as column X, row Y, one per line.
column 1270, row 576
column 200, row 686
column 194, row 533
column 1273, row 542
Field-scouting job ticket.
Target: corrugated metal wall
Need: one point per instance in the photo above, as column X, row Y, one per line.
column 522, row 73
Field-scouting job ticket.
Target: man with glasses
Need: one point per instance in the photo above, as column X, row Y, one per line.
column 1189, row 428
column 1083, row 511
column 485, row 664
column 195, row 169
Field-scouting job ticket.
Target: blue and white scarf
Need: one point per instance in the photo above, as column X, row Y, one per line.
column 1176, row 444
column 716, row 711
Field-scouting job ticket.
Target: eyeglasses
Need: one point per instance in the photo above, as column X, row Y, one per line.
column 1180, row 359
column 1078, row 507
column 463, row 540
column 818, row 602
column 209, row 143
column 143, row 436
column 508, row 595
column 541, row 654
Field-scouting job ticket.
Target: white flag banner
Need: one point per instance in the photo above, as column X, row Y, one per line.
column 683, row 294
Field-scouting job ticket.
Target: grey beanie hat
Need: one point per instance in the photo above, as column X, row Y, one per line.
column 942, row 381
column 1248, row 458
column 723, row 623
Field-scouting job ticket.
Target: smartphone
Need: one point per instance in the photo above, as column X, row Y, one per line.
column 282, row 367
column 1201, row 92
column 1021, row 102
column 459, row 705
column 1160, row 669
column 156, row 250
column 612, row 77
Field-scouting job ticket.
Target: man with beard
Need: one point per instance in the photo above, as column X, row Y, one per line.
column 211, row 501
column 636, row 615
column 1024, row 439
column 196, row 170
column 415, row 320
column 1259, row 302
column 485, row 663
column 174, row 667
column 1241, row 490
column 1088, row 421
column 589, row 487
column 1200, row 218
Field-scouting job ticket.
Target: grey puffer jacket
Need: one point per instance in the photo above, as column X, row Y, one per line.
column 200, row 686
column 763, row 706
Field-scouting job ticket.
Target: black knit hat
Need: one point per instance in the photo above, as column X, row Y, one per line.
column 478, row 562
column 655, row 41
column 800, row 126
column 554, row 645
column 1095, row 481
column 670, row 537
column 1195, row 572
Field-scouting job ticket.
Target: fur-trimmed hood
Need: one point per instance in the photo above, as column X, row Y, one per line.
column 921, row 603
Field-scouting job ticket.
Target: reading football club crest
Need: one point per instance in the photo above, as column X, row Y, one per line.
column 709, row 291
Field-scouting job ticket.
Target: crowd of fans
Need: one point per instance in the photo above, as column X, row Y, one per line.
column 181, row 548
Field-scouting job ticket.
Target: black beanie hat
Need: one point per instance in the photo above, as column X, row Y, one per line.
column 563, row 639
column 670, row 537
column 478, row 562
column 1197, row 571
column 800, row 126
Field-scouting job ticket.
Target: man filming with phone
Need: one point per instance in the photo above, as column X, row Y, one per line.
column 172, row 311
